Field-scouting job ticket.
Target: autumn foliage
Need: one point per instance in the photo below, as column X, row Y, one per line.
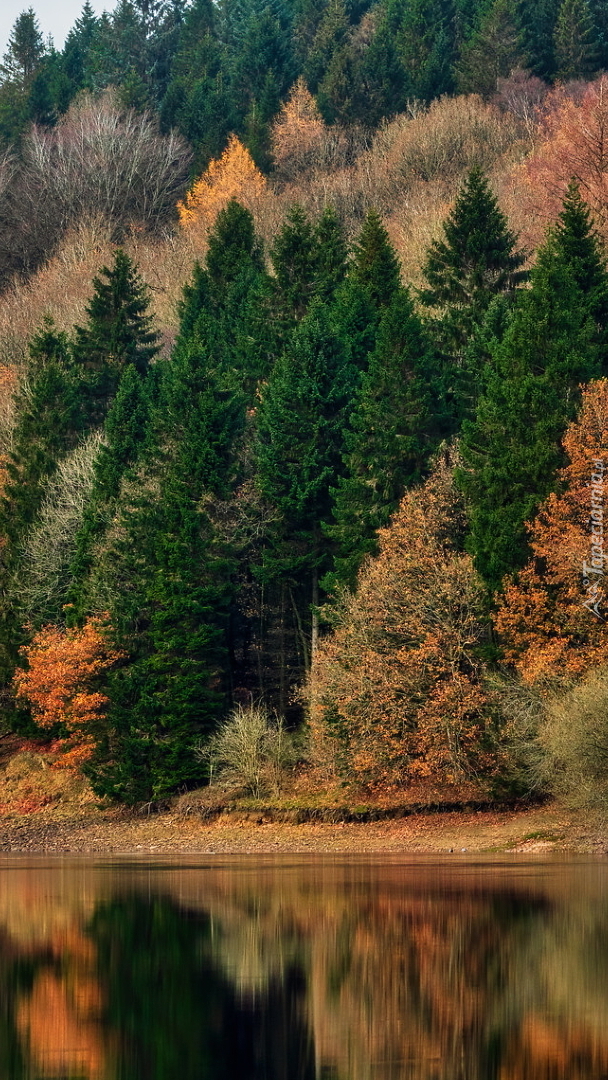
column 395, row 689
column 60, row 681
column 574, row 144
column 298, row 132
column 232, row 176
column 553, row 618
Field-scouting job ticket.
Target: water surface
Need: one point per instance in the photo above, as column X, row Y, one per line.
column 317, row 968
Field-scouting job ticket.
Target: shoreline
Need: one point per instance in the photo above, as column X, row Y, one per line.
column 536, row 830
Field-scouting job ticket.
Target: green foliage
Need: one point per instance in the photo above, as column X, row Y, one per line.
column 580, row 249
column 576, row 51
column 394, row 426
column 119, row 331
column 475, row 261
column 493, row 51
column 374, row 265
column 301, row 425
column 170, row 590
column 512, row 449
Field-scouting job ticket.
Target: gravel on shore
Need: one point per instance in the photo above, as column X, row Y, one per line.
column 538, row 829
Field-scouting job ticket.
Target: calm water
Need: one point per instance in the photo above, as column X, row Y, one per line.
column 303, row 969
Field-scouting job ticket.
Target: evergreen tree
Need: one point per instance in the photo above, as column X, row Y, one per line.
column 119, row 331
column 493, row 51
column 475, row 261
column 330, row 37
column 394, row 426
column 538, row 29
column 168, row 580
column 232, row 243
column 77, row 50
column 227, row 305
column 301, row 430
column 512, row 449
column 426, row 43
column 374, row 264
column 293, row 262
column 579, row 246
column 331, row 256
column 576, row 52
column 25, row 50
column 49, row 423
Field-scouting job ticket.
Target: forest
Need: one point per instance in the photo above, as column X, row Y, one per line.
column 304, row 395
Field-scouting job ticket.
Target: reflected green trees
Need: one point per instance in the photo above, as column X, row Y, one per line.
column 330, row 971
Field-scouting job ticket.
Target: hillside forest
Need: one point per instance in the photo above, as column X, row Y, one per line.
column 304, row 395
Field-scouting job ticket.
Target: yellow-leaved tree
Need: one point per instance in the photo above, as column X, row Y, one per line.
column 234, row 175
column 298, row 134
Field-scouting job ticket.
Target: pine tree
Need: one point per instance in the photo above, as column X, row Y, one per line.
column 293, row 262
column 474, row 262
column 575, row 41
column 119, row 332
column 394, row 426
column 25, row 50
column 580, row 248
column 301, row 431
column 374, row 264
column 493, row 51
column 512, row 449
column 168, row 577
column 49, row 423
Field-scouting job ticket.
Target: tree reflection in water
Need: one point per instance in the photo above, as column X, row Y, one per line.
column 277, row 971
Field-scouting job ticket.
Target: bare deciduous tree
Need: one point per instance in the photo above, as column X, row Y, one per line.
column 50, row 544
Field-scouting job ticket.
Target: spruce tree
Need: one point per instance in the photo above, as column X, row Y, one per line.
column 227, row 305
column 427, row 43
column 474, row 262
column 395, row 424
column 576, row 54
column 375, row 265
column 48, row 425
column 25, row 50
column 301, row 424
column 512, row 449
column 331, row 254
column 493, row 51
column 119, row 331
column 580, row 248
column 168, row 579
column 293, row 262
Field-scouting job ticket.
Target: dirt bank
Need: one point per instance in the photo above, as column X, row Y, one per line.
column 539, row 829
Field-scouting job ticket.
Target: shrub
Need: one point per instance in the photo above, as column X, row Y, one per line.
column 574, row 738
column 251, row 749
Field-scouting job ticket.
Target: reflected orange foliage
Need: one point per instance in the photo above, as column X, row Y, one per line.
column 59, row 1024
column 232, row 176
column 546, row 627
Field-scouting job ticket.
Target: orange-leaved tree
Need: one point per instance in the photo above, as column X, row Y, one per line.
column 232, row 176
column 395, row 690
column 61, row 682
column 553, row 616
column 574, row 145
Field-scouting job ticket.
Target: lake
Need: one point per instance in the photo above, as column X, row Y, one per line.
column 294, row 968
